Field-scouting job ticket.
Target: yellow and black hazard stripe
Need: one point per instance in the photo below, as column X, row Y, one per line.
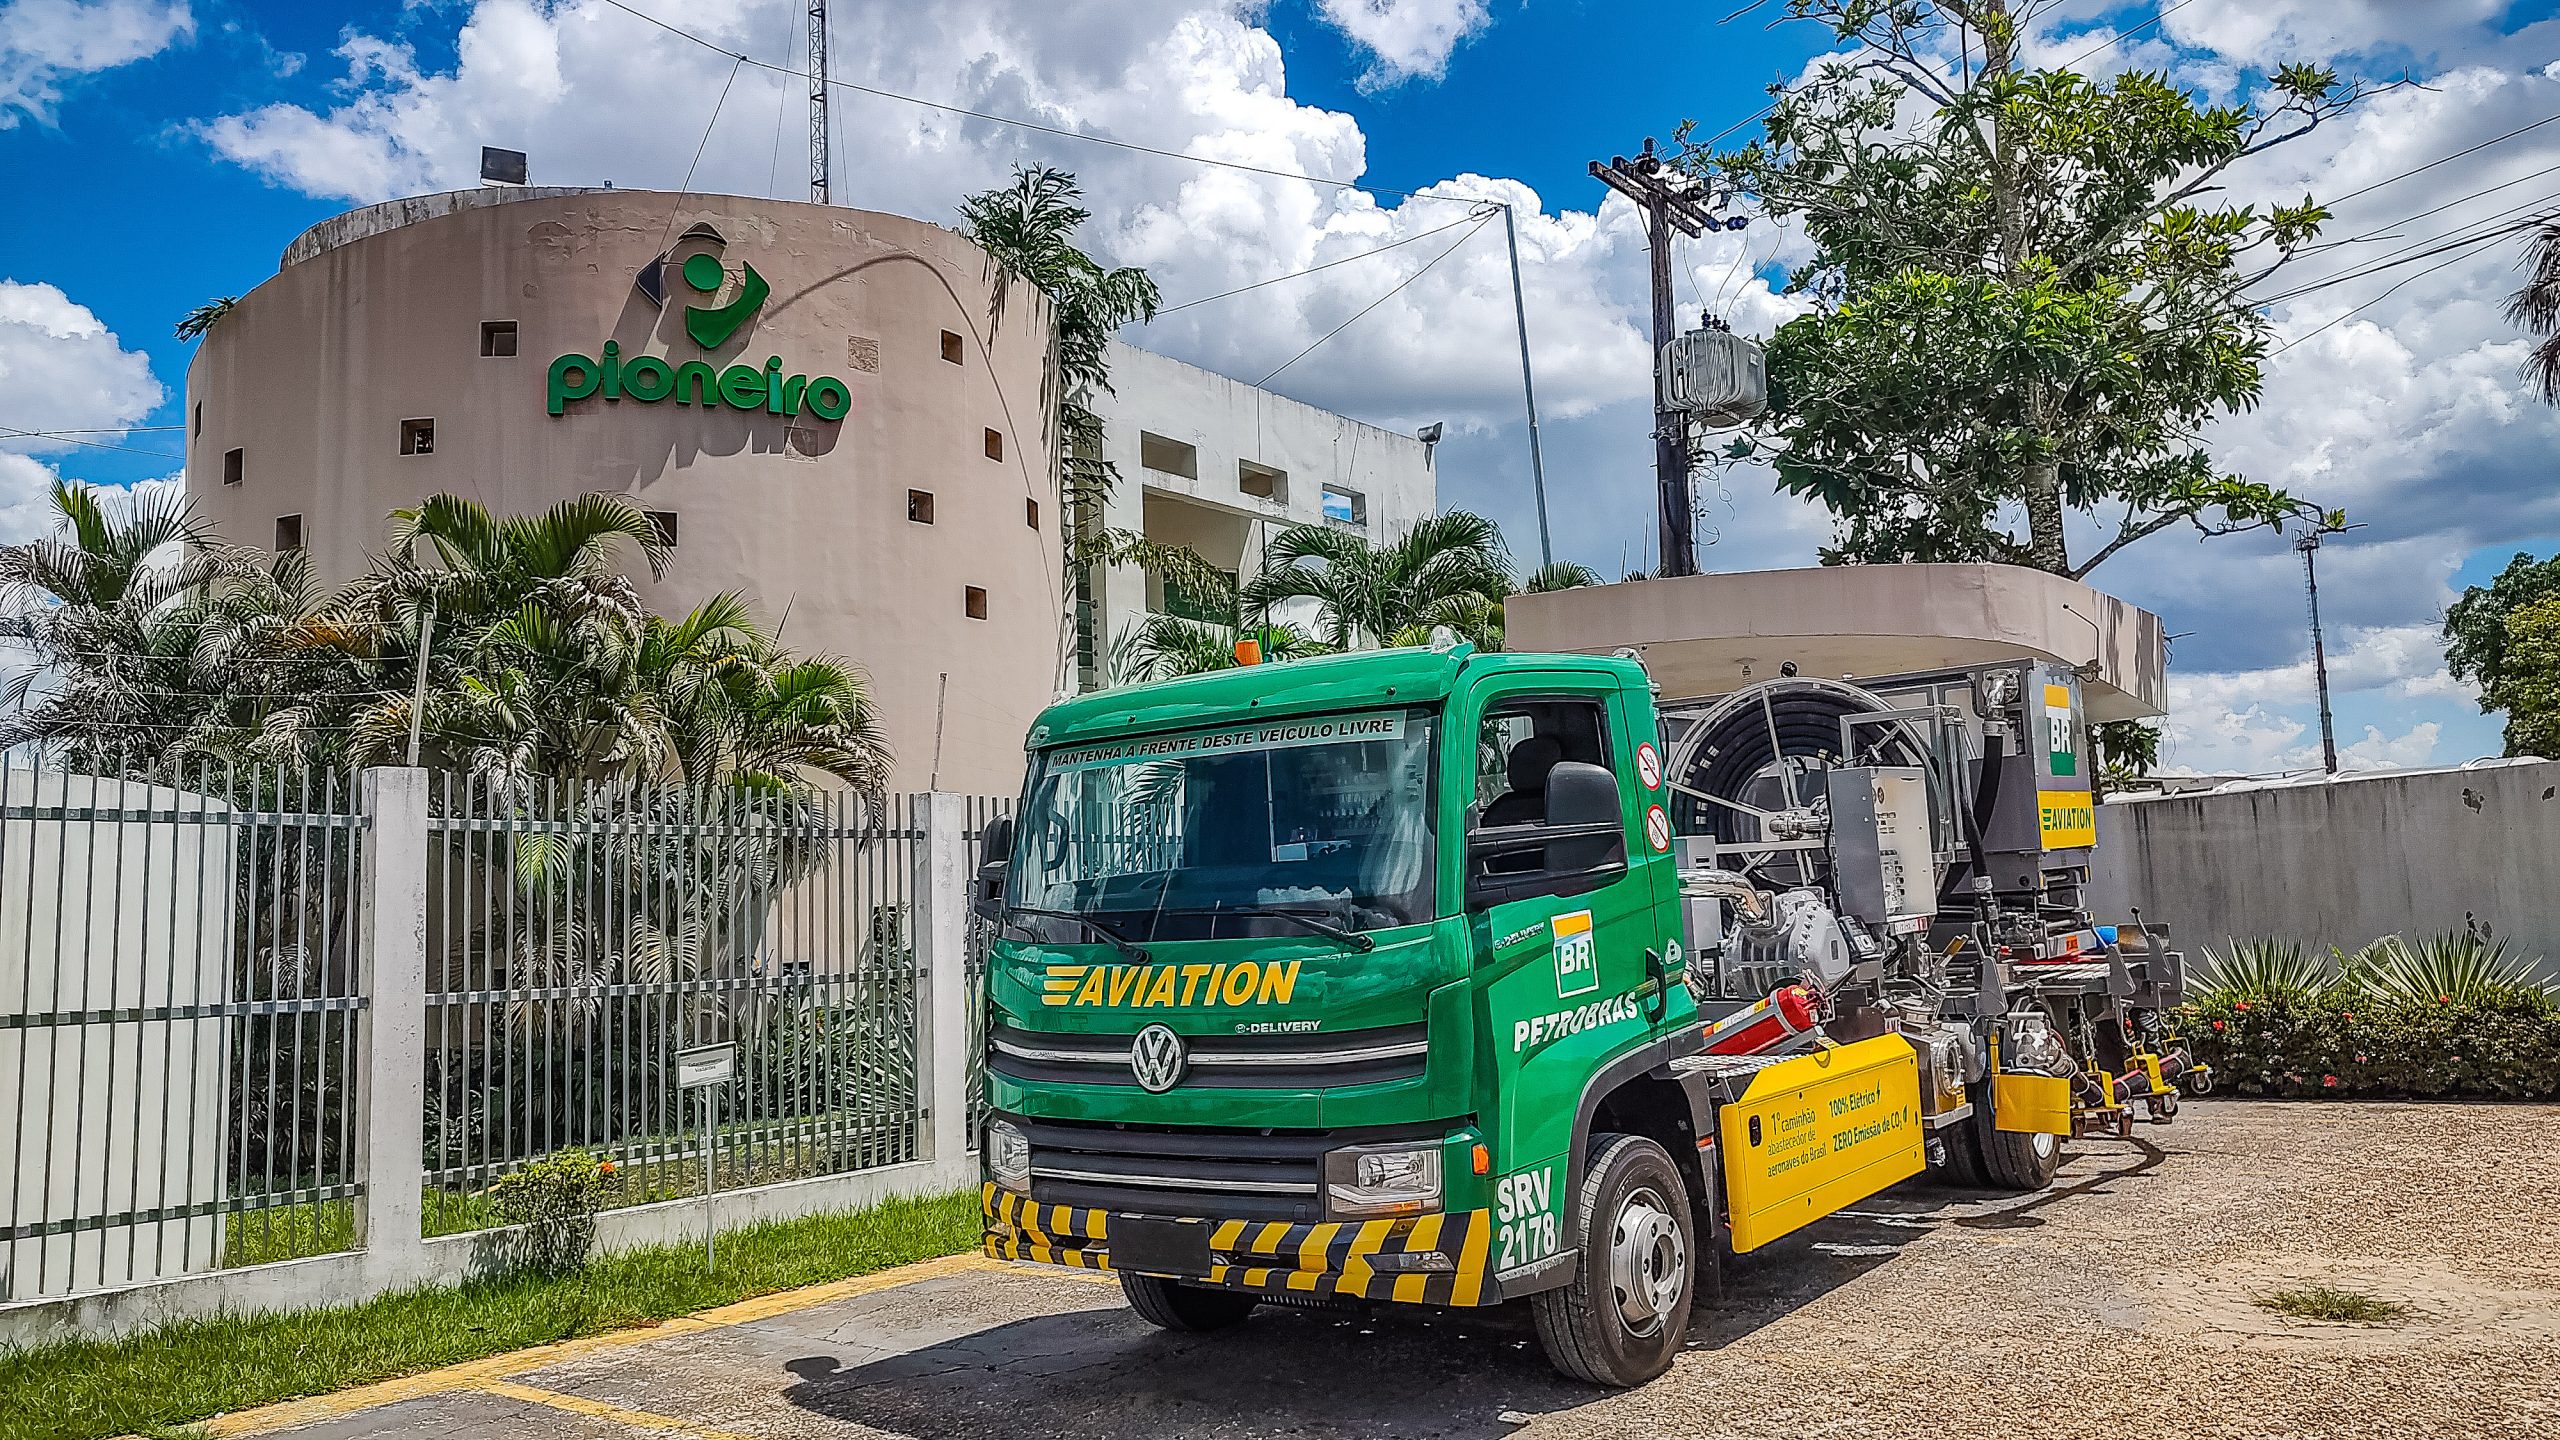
column 1334, row 1257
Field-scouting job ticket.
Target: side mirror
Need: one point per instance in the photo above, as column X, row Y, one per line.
column 1580, row 846
column 1583, row 803
column 995, row 850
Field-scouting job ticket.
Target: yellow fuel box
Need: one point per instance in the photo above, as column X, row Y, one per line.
column 1815, row 1133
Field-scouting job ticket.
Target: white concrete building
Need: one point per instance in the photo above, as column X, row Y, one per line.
column 1221, row 466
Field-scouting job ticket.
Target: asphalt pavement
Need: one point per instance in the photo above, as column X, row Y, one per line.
column 2124, row 1301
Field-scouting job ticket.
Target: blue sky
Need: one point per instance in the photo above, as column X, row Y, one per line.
column 160, row 152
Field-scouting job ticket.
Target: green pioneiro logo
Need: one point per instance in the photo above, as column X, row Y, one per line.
column 649, row 378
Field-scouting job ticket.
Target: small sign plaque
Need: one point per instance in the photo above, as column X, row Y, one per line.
column 706, row 1065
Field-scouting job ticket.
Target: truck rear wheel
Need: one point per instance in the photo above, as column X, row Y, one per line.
column 2014, row 1160
column 1172, row 1305
column 1624, row 1316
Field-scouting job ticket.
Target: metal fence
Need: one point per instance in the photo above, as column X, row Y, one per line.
column 179, row 1006
column 980, row 811
column 580, row 935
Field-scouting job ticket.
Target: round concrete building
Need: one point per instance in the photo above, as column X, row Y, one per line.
column 844, row 415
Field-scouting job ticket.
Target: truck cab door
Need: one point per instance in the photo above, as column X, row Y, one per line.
column 1565, row 916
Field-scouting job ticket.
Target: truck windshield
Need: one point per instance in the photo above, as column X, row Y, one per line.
column 1210, row 834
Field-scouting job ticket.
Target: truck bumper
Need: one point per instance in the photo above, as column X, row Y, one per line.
column 1370, row 1259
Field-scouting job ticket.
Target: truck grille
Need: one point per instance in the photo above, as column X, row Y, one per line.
column 1219, row 1062
column 1222, row 1174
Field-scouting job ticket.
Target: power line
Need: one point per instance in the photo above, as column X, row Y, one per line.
column 1374, row 304
column 12, row 432
column 2483, row 230
column 1312, row 269
column 1033, row 125
column 2430, row 165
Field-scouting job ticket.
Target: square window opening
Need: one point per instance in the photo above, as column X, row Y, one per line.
column 199, row 418
column 995, row 444
column 974, row 601
column 1263, row 482
column 497, row 337
column 417, row 437
column 1345, row 506
column 1169, row 457
column 951, row 347
column 232, row 461
column 288, row 533
column 1031, row 513
column 663, row 522
column 920, row 506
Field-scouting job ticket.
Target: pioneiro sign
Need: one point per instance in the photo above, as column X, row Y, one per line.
column 651, row 378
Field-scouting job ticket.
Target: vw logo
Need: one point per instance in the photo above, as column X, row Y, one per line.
column 1157, row 1059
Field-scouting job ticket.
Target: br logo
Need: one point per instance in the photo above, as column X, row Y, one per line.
column 1577, row 958
column 712, row 325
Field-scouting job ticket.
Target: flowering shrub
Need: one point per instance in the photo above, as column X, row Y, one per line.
column 554, row 1200
column 2342, row 1040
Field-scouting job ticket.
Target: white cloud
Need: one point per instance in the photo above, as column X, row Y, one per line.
column 2409, row 413
column 60, row 369
column 1406, row 38
column 45, row 42
column 2265, row 33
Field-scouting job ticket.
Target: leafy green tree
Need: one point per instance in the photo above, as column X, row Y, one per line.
column 2026, row 301
column 2482, row 646
column 1449, row 569
column 2531, row 697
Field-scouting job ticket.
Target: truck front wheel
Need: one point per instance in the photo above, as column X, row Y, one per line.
column 1172, row 1305
column 1623, row 1318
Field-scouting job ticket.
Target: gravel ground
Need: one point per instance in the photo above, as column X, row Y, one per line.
column 2119, row 1304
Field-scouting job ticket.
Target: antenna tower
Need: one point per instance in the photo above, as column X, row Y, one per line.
column 818, row 101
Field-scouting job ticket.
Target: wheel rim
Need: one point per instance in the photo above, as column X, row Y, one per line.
column 1648, row 1262
column 2044, row 1146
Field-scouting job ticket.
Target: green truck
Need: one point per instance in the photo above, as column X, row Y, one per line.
column 1385, row 977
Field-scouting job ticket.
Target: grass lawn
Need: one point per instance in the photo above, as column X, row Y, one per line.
column 159, row 1381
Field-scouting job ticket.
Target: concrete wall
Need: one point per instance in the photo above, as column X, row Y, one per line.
column 377, row 319
column 1706, row 635
column 1229, row 422
column 2345, row 861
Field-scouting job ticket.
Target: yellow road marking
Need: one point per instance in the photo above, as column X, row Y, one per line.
column 474, row 1374
column 597, row 1409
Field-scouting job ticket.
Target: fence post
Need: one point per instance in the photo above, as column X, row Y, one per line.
column 942, row 950
column 394, row 897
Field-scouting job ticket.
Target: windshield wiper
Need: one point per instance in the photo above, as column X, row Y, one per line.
column 1113, row 938
column 1299, row 918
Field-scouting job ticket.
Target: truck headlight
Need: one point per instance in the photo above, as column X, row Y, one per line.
column 1008, row 1153
column 1373, row 1180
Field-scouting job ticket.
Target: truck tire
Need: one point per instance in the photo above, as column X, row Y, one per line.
column 1627, row 1311
column 2013, row 1161
column 1963, row 1166
column 1172, row 1305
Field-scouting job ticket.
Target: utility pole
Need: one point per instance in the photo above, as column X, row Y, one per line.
column 818, row 101
column 1671, row 200
column 2309, row 545
column 1528, row 389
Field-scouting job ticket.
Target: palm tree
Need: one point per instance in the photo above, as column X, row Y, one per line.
column 2536, row 307
column 1559, row 575
column 1449, row 569
column 195, row 322
column 1028, row 229
column 531, row 633
column 111, row 606
column 734, row 706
